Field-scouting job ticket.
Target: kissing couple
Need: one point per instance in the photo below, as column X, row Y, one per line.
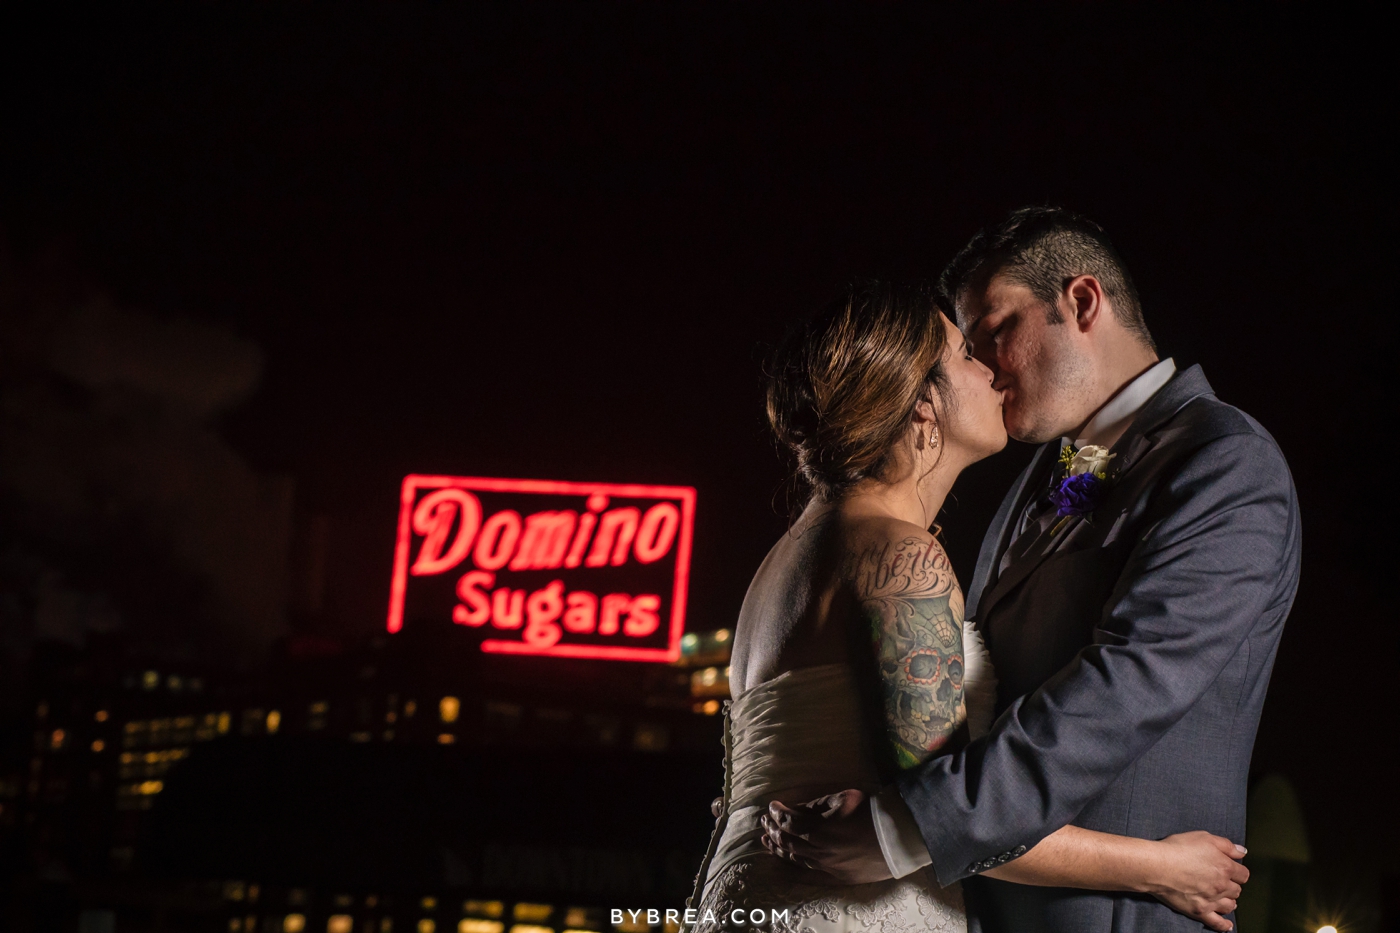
column 1065, row 746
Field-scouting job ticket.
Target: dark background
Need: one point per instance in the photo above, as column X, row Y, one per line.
column 555, row 241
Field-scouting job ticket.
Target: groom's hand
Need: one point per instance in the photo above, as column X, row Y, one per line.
column 834, row 834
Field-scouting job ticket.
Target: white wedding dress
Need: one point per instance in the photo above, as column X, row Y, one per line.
column 799, row 730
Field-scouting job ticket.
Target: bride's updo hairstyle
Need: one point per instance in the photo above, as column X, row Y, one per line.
column 842, row 386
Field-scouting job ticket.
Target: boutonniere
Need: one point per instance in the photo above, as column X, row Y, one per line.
column 1084, row 482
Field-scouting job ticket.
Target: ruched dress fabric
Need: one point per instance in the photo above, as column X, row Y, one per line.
column 800, row 730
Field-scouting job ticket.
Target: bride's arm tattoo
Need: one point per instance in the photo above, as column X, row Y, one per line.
column 911, row 600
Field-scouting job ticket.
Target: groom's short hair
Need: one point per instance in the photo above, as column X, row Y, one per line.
column 1043, row 248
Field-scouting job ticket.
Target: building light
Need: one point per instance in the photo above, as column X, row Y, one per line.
column 150, row 680
column 339, row 923
column 650, row 737
column 472, row 925
column 360, row 736
column 386, row 925
column 448, row 708
column 426, row 925
column 722, row 635
column 428, row 903
column 388, row 735
column 100, row 715
column 629, row 925
column 274, row 722
column 447, row 738
column 293, row 923
column 410, row 708
column 483, row 908
column 235, row 924
column 57, row 739
column 711, row 707
column 576, row 917
column 225, row 721
column 532, row 912
column 234, row 890
column 147, row 788
column 98, row 745
column 530, row 928
column 175, row 683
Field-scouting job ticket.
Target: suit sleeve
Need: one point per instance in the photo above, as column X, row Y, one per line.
column 1218, row 551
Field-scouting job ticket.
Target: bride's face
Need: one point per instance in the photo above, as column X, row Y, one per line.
column 972, row 419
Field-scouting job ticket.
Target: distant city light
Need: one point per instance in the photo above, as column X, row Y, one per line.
column 293, row 923
column 484, row 908
column 339, row 923
column 98, row 745
column 426, row 925
column 470, row 925
column 274, row 721
column 100, row 715
column 722, row 635
column 532, row 912
column 448, row 708
column 57, row 739
column 150, row 680
column 711, row 707
column 446, row 738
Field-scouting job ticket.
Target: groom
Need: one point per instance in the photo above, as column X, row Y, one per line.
column 1132, row 628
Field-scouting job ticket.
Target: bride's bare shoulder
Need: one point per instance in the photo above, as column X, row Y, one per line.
column 885, row 553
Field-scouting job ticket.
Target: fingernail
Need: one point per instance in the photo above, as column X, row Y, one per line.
column 1241, row 849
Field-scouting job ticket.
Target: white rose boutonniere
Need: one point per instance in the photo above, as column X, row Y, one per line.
column 1092, row 459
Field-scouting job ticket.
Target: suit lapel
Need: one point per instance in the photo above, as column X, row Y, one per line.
column 1183, row 388
column 1003, row 527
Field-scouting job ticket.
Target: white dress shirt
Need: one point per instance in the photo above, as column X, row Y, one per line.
column 900, row 840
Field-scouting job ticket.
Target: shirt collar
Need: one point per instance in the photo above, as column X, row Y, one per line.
column 1110, row 421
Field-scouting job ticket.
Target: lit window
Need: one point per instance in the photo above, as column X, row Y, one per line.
column 98, row 745
column 629, row 925
column 175, row 683
column 530, row 928
column 225, row 720
column 371, row 901
column 150, row 680
column 293, row 923
column 532, row 912
column 483, row 908
column 235, row 924
column 57, row 740
column 446, row 738
column 426, row 925
column 274, row 721
column 147, row 788
column 711, row 707
column 448, row 708
column 100, row 715
column 722, row 635
column 339, row 923
column 576, row 917
column 429, row 903
column 386, row 925
column 470, row 925
column 234, row 890
column 410, row 708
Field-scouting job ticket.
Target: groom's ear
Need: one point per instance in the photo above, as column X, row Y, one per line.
column 1085, row 301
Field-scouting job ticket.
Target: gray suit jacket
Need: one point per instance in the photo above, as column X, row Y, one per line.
column 1133, row 655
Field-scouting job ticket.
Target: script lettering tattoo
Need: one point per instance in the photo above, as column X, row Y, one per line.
column 912, row 602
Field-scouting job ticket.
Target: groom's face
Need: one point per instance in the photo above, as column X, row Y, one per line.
column 1035, row 363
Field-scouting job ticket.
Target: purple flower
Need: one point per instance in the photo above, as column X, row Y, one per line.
column 1077, row 495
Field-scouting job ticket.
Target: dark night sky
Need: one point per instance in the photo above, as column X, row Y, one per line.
column 554, row 240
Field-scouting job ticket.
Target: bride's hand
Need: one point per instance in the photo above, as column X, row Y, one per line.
column 1201, row 877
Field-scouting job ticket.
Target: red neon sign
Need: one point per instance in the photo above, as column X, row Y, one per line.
column 581, row 570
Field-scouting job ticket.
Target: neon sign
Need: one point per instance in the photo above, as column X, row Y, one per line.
column 582, row 570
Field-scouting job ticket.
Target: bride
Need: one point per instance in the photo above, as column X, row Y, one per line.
column 851, row 657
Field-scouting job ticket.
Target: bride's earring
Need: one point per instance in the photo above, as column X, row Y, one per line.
column 933, row 436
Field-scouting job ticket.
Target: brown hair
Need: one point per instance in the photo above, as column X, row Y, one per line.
column 842, row 386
